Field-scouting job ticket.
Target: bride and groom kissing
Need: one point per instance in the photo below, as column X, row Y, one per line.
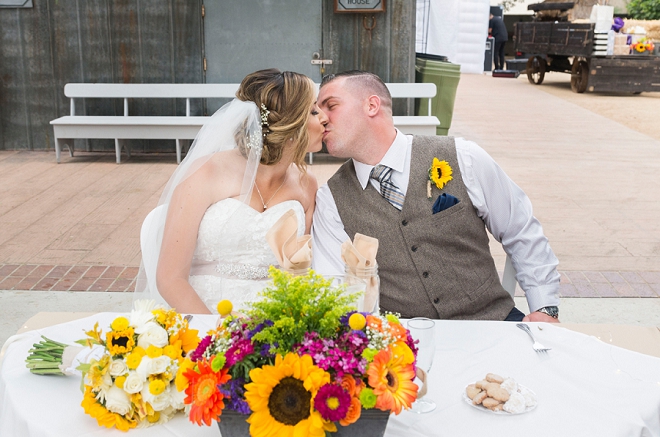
column 246, row 169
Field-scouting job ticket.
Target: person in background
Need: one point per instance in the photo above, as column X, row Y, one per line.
column 497, row 30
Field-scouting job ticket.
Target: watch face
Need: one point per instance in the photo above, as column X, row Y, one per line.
column 551, row 311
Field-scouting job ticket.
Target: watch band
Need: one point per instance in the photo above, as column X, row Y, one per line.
column 552, row 311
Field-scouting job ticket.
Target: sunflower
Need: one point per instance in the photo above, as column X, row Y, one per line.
column 281, row 397
column 120, row 342
column 203, row 392
column 640, row 47
column 392, row 381
column 440, row 173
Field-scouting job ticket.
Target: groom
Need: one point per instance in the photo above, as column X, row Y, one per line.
column 434, row 260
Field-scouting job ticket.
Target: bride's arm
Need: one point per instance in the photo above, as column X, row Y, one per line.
column 190, row 200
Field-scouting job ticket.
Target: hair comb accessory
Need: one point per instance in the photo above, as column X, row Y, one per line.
column 264, row 118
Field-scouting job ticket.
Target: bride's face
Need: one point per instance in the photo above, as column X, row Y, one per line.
column 315, row 128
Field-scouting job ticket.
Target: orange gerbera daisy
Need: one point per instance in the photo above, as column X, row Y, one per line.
column 203, row 393
column 392, row 382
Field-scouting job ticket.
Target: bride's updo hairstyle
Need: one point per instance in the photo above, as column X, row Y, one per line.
column 288, row 97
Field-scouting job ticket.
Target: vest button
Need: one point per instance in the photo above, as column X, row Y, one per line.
column 436, row 300
column 404, row 223
column 414, row 248
column 425, row 274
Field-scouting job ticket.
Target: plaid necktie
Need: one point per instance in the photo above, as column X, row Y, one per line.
column 383, row 174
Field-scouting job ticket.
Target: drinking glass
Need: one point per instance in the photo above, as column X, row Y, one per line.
column 423, row 329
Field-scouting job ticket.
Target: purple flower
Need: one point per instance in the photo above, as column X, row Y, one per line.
column 234, row 390
column 332, row 401
column 197, row 354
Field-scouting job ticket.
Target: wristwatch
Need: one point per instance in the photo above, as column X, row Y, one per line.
column 552, row 311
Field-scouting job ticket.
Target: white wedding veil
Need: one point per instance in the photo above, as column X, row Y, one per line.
column 236, row 125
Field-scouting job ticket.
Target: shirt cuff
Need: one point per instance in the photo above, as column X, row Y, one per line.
column 542, row 296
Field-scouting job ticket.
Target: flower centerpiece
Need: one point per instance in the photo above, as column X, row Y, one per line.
column 301, row 361
column 132, row 383
column 642, row 46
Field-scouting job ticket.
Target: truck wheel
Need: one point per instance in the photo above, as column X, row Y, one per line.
column 579, row 76
column 536, row 70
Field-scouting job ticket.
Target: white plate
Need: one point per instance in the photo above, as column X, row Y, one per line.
column 506, row 413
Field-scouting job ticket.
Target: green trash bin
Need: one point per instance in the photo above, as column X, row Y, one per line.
column 445, row 75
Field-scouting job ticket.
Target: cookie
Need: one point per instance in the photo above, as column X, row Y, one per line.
column 496, row 392
column 492, row 377
column 490, row 403
column 481, row 384
column 479, row 398
column 472, row 391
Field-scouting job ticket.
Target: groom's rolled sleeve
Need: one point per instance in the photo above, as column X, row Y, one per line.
column 328, row 234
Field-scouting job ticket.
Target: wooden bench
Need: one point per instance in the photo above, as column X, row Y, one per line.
column 122, row 128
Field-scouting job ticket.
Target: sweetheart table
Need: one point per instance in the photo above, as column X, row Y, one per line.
column 584, row 387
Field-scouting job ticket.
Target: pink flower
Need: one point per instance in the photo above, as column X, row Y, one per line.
column 332, row 401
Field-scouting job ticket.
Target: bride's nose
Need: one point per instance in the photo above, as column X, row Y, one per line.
column 323, row 118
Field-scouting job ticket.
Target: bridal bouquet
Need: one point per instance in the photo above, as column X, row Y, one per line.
column 132, row 383
column 300, row 362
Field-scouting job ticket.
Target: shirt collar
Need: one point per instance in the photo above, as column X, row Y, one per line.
column 395, row 158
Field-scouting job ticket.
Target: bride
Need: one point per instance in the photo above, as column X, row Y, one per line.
column 213, row 234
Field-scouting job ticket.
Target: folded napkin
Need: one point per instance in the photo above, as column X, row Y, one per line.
column 360, row 258
column 292, row 252
column 443, row 202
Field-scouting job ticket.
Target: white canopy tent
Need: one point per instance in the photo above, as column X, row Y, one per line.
column 456, row 29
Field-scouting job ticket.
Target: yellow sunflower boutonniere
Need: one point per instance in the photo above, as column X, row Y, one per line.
column 439, row 173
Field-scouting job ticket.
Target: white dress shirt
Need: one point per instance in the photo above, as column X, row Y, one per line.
column 502, row 205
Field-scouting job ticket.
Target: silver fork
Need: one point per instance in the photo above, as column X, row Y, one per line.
column 538, row 347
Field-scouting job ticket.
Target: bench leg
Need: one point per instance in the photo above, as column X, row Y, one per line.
column 59, row 144
column 178, row 151
column 118, row 149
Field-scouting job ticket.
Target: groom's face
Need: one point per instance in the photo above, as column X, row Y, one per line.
column 344, row 110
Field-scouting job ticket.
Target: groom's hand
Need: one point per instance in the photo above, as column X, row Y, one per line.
column 540, row 317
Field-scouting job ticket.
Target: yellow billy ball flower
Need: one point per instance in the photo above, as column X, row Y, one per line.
column 154, row 351
column 119, row 381
column 357, row 321
column 133, row 360
column 225, row 307
column 172, row 351
column 119, row 324
column 156, row 387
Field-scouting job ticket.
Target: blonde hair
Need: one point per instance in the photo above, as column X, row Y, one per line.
column 288, row 96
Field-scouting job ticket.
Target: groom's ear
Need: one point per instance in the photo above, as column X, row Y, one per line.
column 373, row 105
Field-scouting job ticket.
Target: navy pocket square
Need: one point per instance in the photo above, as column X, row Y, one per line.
column 443, row 202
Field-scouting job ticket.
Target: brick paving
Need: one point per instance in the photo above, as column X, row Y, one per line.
column 122, row 279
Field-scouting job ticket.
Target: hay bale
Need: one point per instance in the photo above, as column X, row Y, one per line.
column 652, row 28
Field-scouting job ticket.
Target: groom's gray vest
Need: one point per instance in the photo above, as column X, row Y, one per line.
column 430, row 265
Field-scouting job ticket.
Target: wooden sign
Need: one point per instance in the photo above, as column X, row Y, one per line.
column 359, row 6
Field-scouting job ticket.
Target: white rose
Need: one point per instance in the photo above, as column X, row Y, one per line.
column 153, row 334
column 158, row 403
column 117, row 401
column 177, row 397
column 158, row 365
column 117, row 368
column 134, row 383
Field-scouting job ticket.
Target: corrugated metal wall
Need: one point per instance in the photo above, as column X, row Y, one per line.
column 121, row 41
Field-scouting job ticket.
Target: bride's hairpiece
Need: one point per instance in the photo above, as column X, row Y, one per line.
column 264, row 118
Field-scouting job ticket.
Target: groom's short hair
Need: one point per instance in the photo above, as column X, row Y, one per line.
column 364, row 80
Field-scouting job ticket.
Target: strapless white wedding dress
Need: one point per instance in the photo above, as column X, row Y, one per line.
column 232, row 256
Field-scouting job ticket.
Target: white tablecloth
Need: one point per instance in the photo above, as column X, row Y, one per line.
column 584, row 386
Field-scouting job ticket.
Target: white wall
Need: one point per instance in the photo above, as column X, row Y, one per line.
column 456, row 29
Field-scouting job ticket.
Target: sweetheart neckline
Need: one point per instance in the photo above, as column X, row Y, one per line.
column 265, row 210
